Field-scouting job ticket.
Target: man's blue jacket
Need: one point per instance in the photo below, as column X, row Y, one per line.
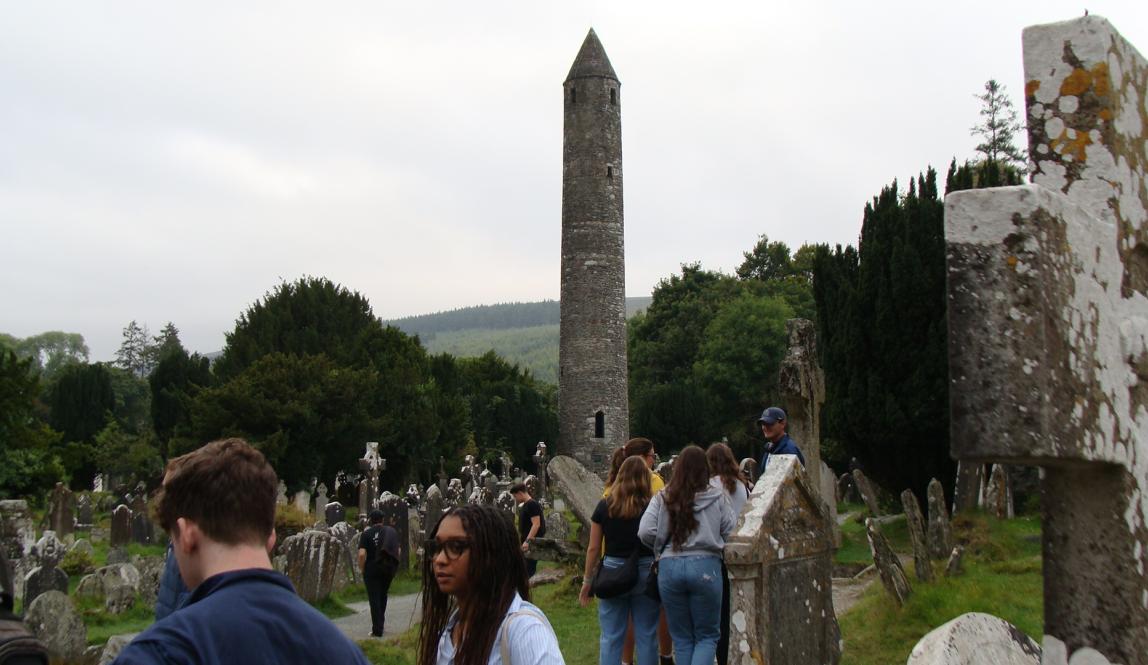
column 784, row 446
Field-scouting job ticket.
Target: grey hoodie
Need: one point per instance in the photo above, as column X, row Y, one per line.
column 715, row 521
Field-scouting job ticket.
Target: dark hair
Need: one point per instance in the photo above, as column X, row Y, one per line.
column 517, row 487
column 724, row 465
column 638, row 446
column 630, row 493
column 616, row 460
column 376, row 516
column 691, row 475
column 495, row 573
column 226, row 487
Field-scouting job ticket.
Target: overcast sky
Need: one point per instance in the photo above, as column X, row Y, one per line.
column 174, row 163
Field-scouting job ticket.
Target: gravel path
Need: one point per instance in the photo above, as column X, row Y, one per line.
column 400, row 617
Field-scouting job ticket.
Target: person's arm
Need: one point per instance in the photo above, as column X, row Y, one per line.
column 648, row 526
column 593, row 550
column 535, row 525
column 362, row 559
column 728, row 519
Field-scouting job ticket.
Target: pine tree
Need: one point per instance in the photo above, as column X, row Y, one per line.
column 998, row 128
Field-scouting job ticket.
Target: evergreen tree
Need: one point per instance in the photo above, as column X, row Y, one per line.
column 136, row 353
column 998, row 128
column 28, row 461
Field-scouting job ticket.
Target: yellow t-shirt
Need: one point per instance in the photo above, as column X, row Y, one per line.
column 656, row 485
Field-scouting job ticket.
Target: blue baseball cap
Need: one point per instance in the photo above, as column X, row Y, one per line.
column 771, row 415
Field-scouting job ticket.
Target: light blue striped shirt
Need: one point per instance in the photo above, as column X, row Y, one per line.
column 530, row 639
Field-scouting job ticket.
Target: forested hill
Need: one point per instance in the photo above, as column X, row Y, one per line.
column 502, row 316
column 524, row 333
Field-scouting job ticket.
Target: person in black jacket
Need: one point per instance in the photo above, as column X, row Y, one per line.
column 379, row 556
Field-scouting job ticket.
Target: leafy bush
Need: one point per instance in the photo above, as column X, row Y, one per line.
column 78, row 562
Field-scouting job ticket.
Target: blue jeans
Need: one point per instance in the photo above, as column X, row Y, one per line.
column 614, row 614
column 691, row 593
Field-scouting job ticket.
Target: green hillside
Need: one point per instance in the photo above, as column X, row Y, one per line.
column 523, row 333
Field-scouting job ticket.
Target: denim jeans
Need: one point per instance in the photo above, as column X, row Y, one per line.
column 614, row 614
column 691, row 593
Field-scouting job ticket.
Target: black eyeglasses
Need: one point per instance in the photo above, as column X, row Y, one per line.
column 452, row 548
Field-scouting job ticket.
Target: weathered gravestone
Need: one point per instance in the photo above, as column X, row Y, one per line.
column 780, row 562
column 455, row 493
column 334, row 513
column 557, row 528
column 311, row 562
column 121, row 526
column 321, row 501
column 62, row 511
column 142, row 530
column 395, row 514
column 801, row 384
column 435, row 504
column 581, row 488
column 54, row 620
column 940, row 531
column 302, row 501
column 998, row 493
column 84, row 511
column 281, row 494
column 1048, row 329
column 348, row 536
column 967, row 492
column 829, row 496
column 847, row 489
column 506, row 506
column 17, row 533
column 888, row 565
column 414, row 534
column 534, row 487
column 748, row 467
column 975, row 638
column 371, row 465
column 916, row 522
column 868, row 494
column 119, row 584
column 413, row 497
column 42, row 579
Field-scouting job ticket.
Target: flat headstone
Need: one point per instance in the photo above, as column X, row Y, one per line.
column 302, row 502
column 975, row 638
column 121, row 526
column 888, row 565
column 868, row 494
column 53, row 619
column 43, row 579
column 967, row 492
column 780, row 564
column 940, row 532
column 581, row 488
column 311, row 559
column 921, row 562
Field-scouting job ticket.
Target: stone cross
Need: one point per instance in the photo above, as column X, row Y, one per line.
column 507, row 467
column 1048, row 329
column 371, row 464
column 540, row 459
column 780, row 559
column 801, row 383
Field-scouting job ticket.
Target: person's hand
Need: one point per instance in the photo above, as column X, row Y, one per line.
column 525, row 546
column 584, row 594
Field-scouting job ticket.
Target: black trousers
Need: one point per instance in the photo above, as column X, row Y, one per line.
column 531, row 567
column 377, row 588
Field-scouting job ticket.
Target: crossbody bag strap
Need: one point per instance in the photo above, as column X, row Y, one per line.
column 504, row 632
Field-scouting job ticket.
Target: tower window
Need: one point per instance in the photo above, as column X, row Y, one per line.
column 573, row 95
column 613, row 97
column 599, row 425
column 610, row 172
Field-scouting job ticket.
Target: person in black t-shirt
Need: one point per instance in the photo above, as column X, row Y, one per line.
column 378, row 540
column 530, row 523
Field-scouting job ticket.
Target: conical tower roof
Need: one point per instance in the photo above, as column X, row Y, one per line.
column 591, row 61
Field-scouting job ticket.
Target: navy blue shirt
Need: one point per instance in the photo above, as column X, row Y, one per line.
column 243, row 616
column 784, row 446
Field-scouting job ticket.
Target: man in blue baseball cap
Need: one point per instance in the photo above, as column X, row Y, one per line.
column 777, row 441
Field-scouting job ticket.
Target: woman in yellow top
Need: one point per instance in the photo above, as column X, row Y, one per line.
column 644, row 448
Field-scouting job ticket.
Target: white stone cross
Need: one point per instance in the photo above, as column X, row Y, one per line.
column 1048, row 329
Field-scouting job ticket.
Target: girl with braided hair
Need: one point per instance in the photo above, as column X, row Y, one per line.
column 686, row 525
column 475, row 596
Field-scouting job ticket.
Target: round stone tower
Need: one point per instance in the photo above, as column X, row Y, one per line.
column 593, row 408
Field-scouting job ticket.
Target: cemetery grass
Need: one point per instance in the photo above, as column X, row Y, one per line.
column 854, row 543
column 1002, row 576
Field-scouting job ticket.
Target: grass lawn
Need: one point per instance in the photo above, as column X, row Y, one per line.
column 1002, row 577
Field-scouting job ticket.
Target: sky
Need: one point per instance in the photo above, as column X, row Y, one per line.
column 176, row 161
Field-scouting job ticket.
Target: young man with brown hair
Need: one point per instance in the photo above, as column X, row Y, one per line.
column 218, row 506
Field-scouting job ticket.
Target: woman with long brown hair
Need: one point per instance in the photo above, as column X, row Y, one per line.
column 686, row 525
column 616, row 517
column 725, row 475
column 476, row 608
